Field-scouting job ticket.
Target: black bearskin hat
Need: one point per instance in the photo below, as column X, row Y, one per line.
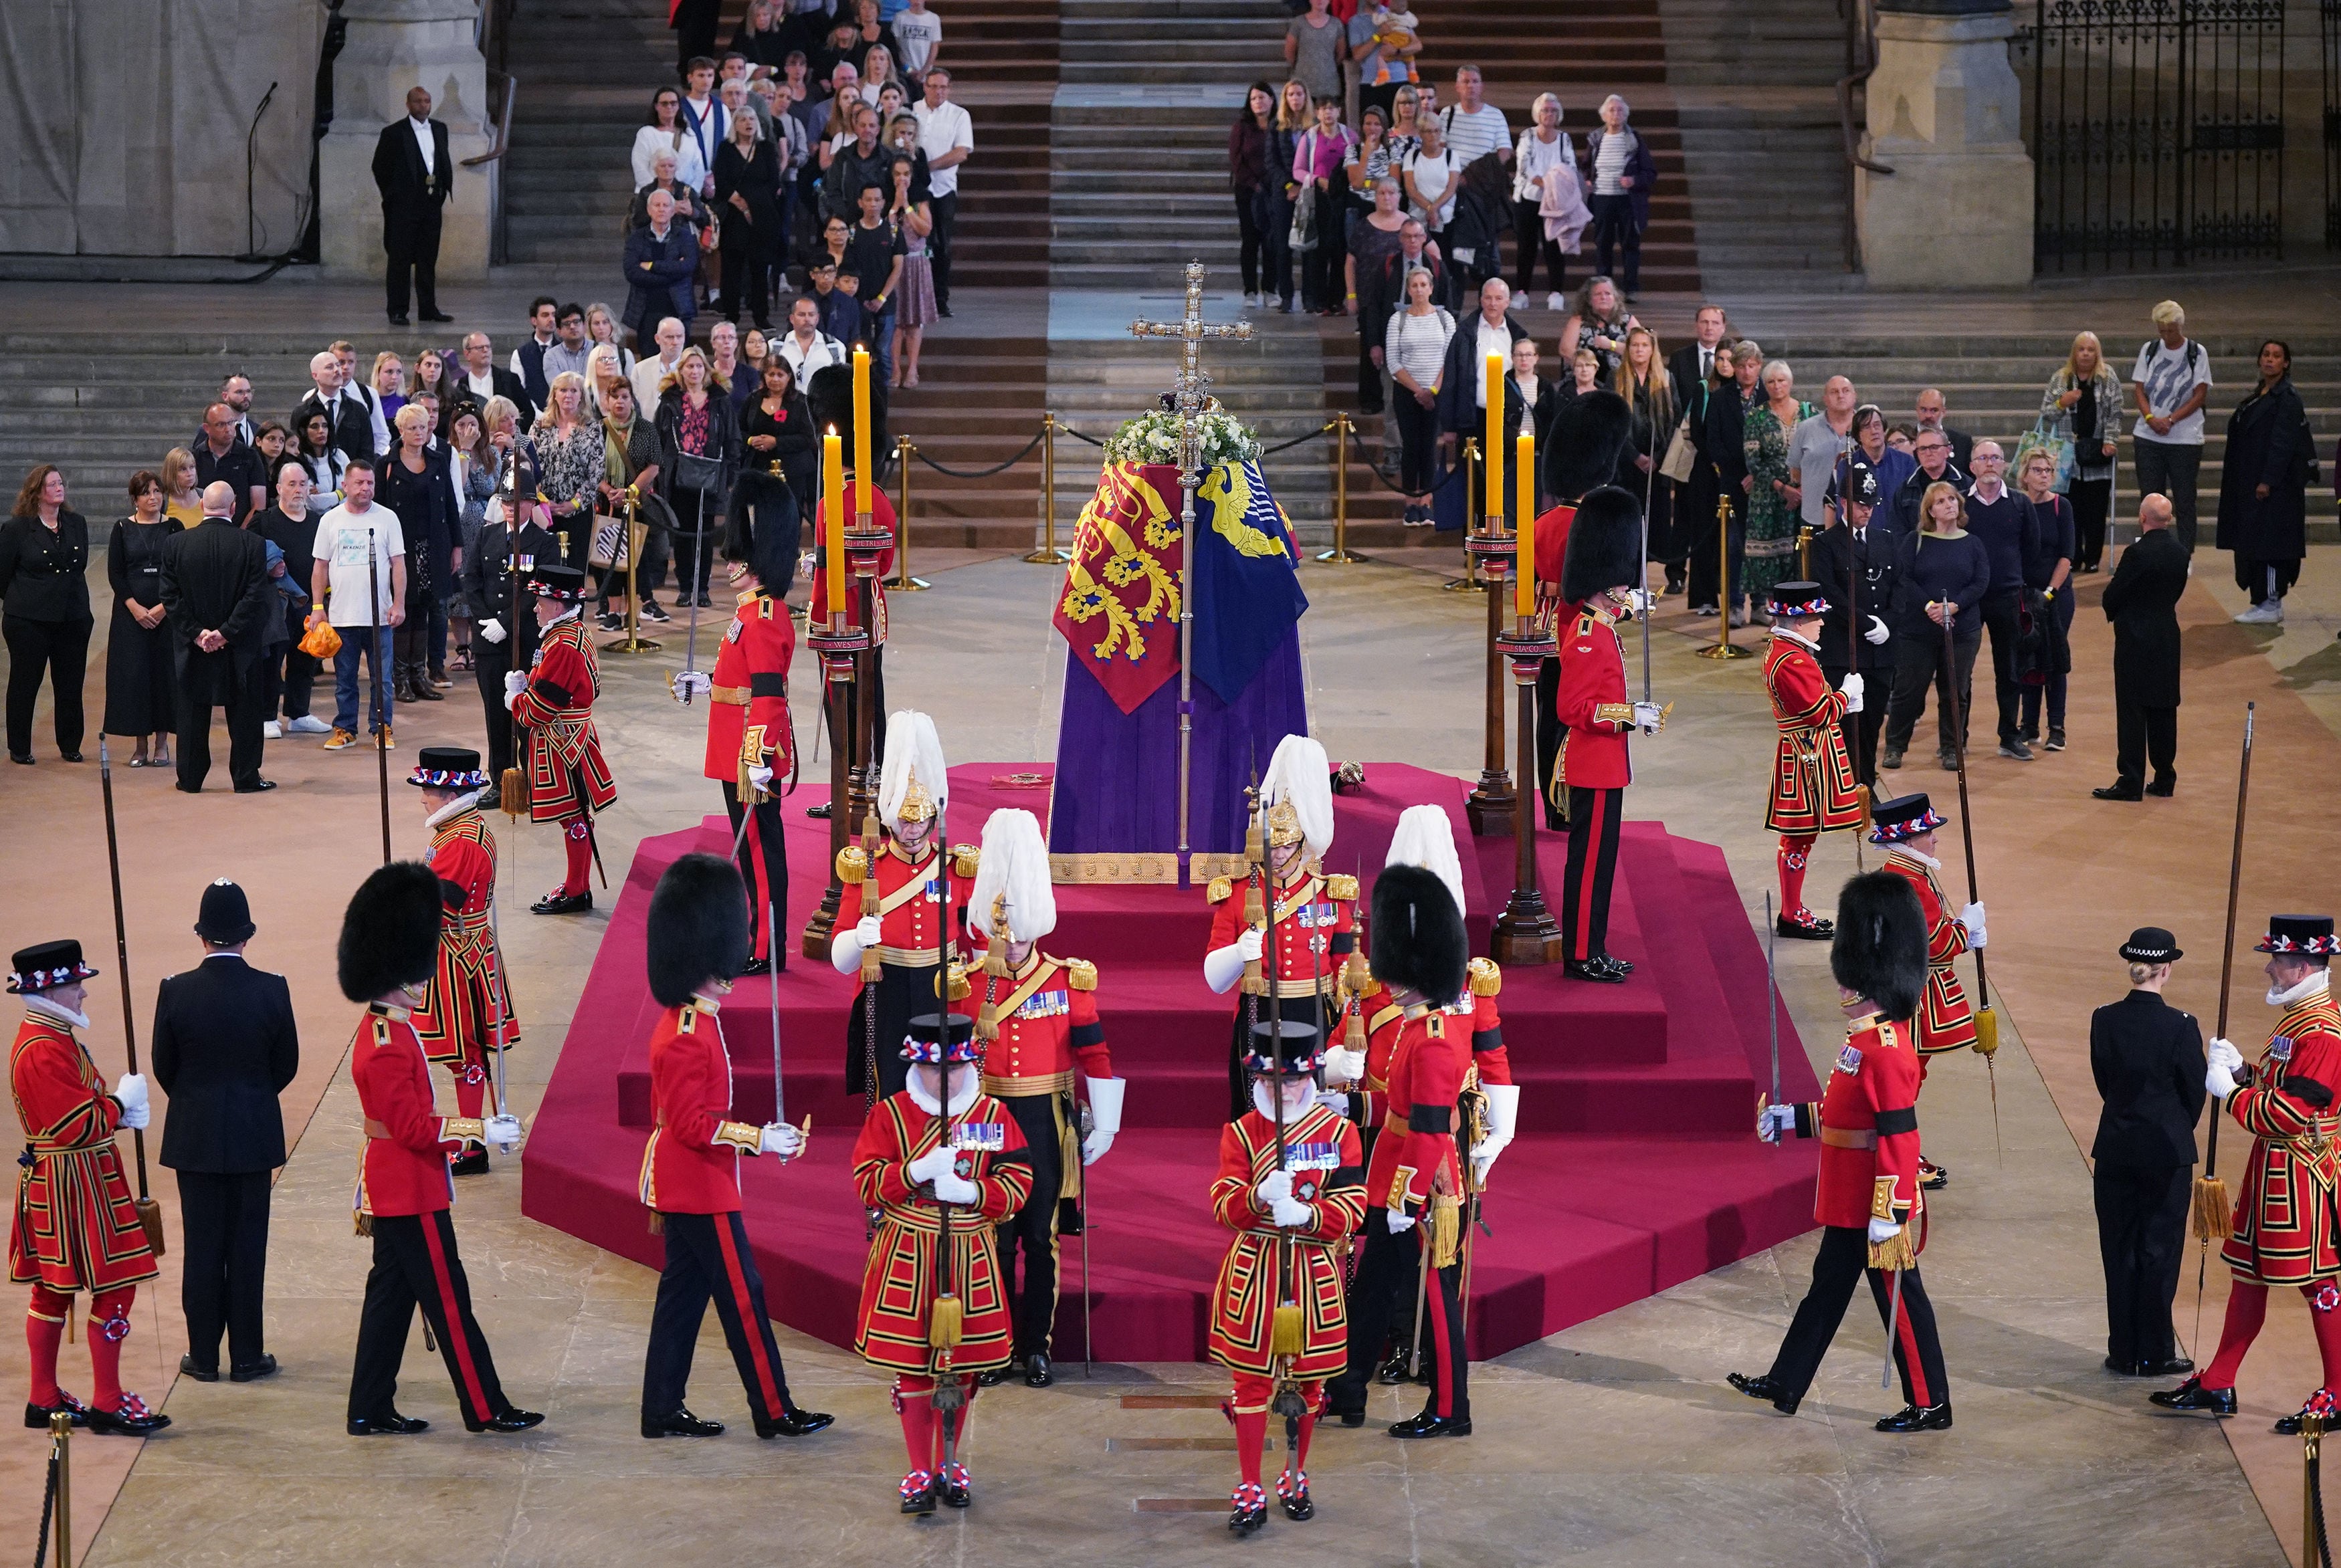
column 1880, row 947
column 697, row 926
column 1587, row 445
column 1418, row 943
column 828, row 395
column 1605, row 545
column 390, row 932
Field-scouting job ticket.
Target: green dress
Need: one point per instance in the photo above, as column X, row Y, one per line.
column 1770, row 556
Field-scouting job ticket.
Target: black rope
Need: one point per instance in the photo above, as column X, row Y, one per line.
column 982, row 472
column 1453, row 474
column 1077, row 436
column 1296, row 440
column 2315, row 1503
column 48, row 1505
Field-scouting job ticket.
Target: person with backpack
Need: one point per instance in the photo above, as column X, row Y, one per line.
column 2172, row 379
column 1623, row 172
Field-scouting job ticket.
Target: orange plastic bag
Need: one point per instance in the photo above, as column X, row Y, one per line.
column 321, row 642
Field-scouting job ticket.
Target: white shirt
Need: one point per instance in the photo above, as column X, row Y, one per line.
column 1535, row 158
column 1434, row 178
column 706, row 133
column 484, row 384
column 1610, row 163
column 918, row 32
column 422, row 129
column 826, row 351
column 341, row 544
column 940, row 129
column 2167, row 382
column 1493, row 340
column 647, row 375
column 1469, row 135
column 372, row 405
column 690, row 168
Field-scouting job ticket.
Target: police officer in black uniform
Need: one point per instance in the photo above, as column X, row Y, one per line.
column 2147, row 1059
column 1853, row 561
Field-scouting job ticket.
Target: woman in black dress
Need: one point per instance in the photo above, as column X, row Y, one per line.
column 44, row 610
column 755, row 235
column 776, row 472
column 413, row 485
column 138, row 701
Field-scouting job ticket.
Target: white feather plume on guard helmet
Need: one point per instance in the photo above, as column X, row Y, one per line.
column 1425, row 837
column 915, row 773
column 1015, row 862
column 1299, row 782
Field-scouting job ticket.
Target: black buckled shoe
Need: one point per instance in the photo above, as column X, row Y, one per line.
column 1764, row 1386
column 1623, row 966
column 2192, row 1395
column 756, row 967
column 1294, row 1496
column 957, row 1486
column 1428, row 1425
column 795, row 1422
column 1036, row 1371
column 1592, row 970
column 36, row 1416
column 917, row 1492
column 1397, row 1370
column 1932, row 1176
column 2177, row 1366
column 680, row 1422
column 1806, row 926
column 252, row 1371
column 993, row 1376
column 130, row 1418
column 1918, row 1418
column 559, row 903
column 187, row 1368
column 820, row 813
column 510, row 1419
column 1248, row 1508
column 391, row 1425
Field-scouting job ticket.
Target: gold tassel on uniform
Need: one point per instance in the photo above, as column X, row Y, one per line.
column 658, row 1223
column 1987, row 1028
column 945, row 1321
column 511, row 793
column 362, row 1224
column 1284, row 1336
column 1896, row 1251
column 2215, row 1214
column 1445, row 1229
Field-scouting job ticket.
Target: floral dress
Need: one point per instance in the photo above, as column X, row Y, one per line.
column 1771, row 552
column 567, row 474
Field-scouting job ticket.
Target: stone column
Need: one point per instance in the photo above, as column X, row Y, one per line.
column 393, row 45
column 1946, row 115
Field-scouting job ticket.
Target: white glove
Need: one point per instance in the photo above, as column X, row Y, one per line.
column 516, row 682
column 935, row 1162
column 1400, row 1221
column 132, row 1092
column 1649, row 717
column 952, row 1188
column 1334, row 1100
column 1637, row 604
column 1250, row 943
column 1278, row 1185
column 2224, row 1054
column 1774, row 1123
column 1291, row 1214
column 504, row 1131
column 866, row 930
column 1852, row 688
column 2226, row 1062
column 1971, row 917
column 1343, row 1066
column 781, row 1139
column 845, row 948
column 493, row 629
column 690, row 683
column 1223, row 967
column 1883, row 1230
column 1876, row 632
column 1105, row 1116
column 1503, row 1116
column 759, row 776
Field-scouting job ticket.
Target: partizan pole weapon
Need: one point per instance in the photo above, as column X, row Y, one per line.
column 380, row 697
column 1986, row 1024
column 150, row 1213
column 2213, row 1220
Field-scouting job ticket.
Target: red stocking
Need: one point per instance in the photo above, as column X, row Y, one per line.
column 1313, row 1393
column 109, row 1326
column 1795, row 847
column 45, row 1330
column 2325, row 1316
column 1250, row 1408
column 914, row 1402
column 2246, row 1310
column 578, row 833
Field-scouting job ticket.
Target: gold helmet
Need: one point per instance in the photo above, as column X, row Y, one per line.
column 913, row 784
column 1298, row 792
column 917, row 804
column 1284, row 825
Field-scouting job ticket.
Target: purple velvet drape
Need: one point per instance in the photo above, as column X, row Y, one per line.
column 1117, row 780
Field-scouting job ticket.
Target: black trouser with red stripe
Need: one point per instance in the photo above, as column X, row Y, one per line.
column 415, row 1265
column 1032, row 1230
column 1843, row 1259
column 707, row 1256
column 1592, row 867
column 1388, row 1273
column 764, row 869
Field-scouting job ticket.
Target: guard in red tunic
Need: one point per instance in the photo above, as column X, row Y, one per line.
column 2287, row 1218
column 1314, row 915
column 829, row 396
column 901, row 894
column 923, row 1168
column 1813, row 787
column 1600, row 576
column 1291, row 1184
column 77, row 1228
column 1867, row 1201
column 751, row 743
column 1450, row 1098
column 1036, row 1017
column 388, row 951
column 697, row 935
column 1590, row 436
column 553, row 702
column 1906, row 826
column 466, row 1013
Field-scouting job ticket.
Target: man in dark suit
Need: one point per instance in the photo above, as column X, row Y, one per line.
column 349, row 422
column 224, row 1048
column 1853, row 560
column 2147, row 1059
column 216, row 591
column 2142, row 602
column 1689, row 365
column 1932, row 410
column 474, row 377
column 416, row 176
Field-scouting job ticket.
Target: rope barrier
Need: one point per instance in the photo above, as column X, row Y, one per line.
column 1077, row 436
column 983, row 472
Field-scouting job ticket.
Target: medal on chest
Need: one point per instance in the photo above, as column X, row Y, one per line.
column 1848, row 1058
column 2280, row 1048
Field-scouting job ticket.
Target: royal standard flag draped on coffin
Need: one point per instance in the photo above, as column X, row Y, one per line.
column 1119, row 608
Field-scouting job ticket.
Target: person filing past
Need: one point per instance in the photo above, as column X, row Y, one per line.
column 226, row 1046
column 216, row 589
column 2147, row 1059
column 2142, row 602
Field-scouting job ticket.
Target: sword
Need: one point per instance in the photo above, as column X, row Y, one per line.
column 150, row 1213
column 1772, row 997
column 501, row 995
column 1893, row 1321
column 1088, row 1347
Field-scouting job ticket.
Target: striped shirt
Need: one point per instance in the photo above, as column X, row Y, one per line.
column 1418, row 345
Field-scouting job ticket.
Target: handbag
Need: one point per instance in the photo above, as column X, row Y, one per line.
column 692, row 472
column 1303, row 236
column 608, row 550
column 1680, row 454
column 2039, row 438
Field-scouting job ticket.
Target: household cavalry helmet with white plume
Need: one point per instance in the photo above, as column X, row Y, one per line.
column 1298, row 791
column 1013, row 878
column 913, row 785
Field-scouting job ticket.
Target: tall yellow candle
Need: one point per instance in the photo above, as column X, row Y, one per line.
column 1493, row 443
column 832, row 518
column 863, row 472
column 1524, row 505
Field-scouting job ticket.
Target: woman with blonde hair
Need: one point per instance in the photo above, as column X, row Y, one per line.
column 566, row 448
column 388, row 382
column 699, row 458
column 1650, row 392
column 1940, row 574
column 601, row 327
column 2082, row 406
column 1279, row 191
column 181, row 499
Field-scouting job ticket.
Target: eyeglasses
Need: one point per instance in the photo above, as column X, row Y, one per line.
column 1935, row 446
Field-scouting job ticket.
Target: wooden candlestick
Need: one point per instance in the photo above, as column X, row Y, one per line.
column 1526, row 932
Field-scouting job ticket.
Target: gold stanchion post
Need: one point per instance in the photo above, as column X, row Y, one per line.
column 1722, row 647
column 1339, row 554
column 633, row 641
column 1470, row 581
column 61, row 1447
column 1048, row 554
column 903, row 581
column 2312, row 1431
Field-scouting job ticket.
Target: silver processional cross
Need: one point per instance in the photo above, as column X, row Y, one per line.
column 1189, row 400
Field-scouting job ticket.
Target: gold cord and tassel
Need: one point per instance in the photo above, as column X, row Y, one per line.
column 945, row 1321
column 2215, row 1214
column 1896, row 1251
column 1987, row 1028
column 1284, row 1336
column 511, row 793
column 1445, row 1229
